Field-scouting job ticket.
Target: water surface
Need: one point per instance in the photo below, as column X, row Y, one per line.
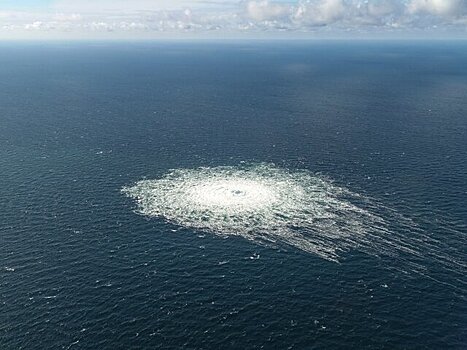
column 81, row 268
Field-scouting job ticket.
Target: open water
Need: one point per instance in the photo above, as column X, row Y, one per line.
column 244, row 195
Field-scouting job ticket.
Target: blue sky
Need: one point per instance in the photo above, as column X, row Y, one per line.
column 145, row 19
column 24, row 4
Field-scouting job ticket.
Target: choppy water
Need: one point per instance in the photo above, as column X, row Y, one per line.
column 274, row 195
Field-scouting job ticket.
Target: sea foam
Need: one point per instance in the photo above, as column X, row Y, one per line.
column 278, row 207
column 262, row 203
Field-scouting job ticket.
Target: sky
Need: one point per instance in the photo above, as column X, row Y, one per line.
column 166, row 19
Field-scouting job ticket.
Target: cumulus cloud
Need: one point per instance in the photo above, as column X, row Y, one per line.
column 239, row 16
column 320, row 12
column 383, row 8
column 266, row 10
column 445, row 8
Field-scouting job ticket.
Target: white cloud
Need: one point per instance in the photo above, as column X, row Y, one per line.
column 445, row 8
column 238, row 16
column 266, row 10
column 383, row 8
column 321, row 12
column 67, row 17
column 36, row 25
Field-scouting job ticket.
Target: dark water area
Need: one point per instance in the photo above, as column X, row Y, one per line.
column 79, row 269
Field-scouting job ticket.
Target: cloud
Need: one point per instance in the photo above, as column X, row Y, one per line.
column 266, row 10
column 443, row 8
column 383, row 8
column 320, row 12
column 238, row 16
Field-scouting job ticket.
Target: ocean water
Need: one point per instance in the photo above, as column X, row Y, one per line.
column 255, row 195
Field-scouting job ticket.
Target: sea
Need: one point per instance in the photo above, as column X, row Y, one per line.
column 348, row 229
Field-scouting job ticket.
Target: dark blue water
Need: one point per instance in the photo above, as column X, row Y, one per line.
column 79, row 269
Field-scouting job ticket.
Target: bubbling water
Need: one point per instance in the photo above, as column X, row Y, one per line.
column 232, row 194
column 276, row 207
column 262, row 203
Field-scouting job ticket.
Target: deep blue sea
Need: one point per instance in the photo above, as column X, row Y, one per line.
column 81, row 267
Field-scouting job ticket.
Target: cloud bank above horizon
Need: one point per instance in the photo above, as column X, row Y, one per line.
column 232, row 18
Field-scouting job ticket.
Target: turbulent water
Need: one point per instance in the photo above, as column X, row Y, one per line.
column 261, row 203
column 274, row 206
column 233, row 196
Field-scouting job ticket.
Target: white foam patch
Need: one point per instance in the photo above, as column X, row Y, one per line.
column 262, row 203
column 277, row 207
